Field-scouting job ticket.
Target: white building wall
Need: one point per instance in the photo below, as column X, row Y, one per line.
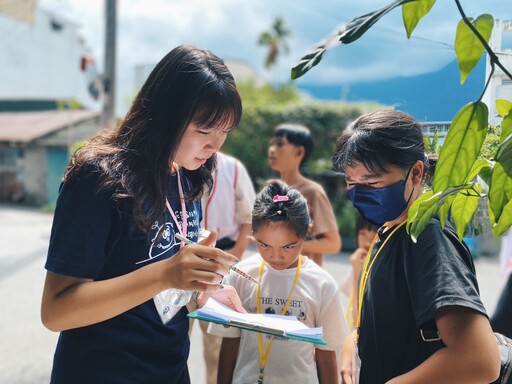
column 41, row 60
column 500, row 86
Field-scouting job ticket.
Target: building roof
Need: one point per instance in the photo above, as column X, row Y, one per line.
column 27, row 126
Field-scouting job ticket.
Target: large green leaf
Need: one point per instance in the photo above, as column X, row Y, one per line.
column 506, row 126
column 464, row 207
column 347, row 33
column 500, row 190
column 428, row 205
column 478, row 166
column 504, row 155
column 413, row 12
column 461, row 147
column 505, row 221
column 468, row 47
column 421, row 212
column 503, row 107
column 444, row 209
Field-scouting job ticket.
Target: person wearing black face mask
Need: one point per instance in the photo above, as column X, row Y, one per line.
column 409, row 289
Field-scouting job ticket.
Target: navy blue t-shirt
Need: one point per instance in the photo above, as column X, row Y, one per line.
column 93, row 237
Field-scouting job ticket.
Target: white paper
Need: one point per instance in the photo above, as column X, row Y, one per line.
column 287, row 324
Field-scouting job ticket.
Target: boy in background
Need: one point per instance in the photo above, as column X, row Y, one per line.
column 289, row 149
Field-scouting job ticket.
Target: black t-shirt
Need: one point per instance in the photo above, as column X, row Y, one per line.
column 408, row 283
column 93, row 237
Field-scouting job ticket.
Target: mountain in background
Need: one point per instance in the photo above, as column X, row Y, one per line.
column 435, row 96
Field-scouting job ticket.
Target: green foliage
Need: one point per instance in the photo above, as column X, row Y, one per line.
column 347, row 33
column 462, row 177
column 464, row 207
column 249, row 141
column 504, row 108
column 431, row 146
column 413, row 12
column 468, row 47
column 491, row 142
column 275, row 41
column 76, row 146
column 345, row 216
column 265, row 108
column 500, row 193
column 68, row 104
column 462, row 146
column 253, row 95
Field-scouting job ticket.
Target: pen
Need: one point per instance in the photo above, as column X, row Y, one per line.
column 231, row 267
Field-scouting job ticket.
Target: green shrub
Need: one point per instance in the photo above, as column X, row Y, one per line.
column 249, row 143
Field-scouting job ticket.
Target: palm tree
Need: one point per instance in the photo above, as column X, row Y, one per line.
column 275, row 40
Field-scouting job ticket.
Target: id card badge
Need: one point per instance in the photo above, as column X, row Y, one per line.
column 165, row 310
column 356, row 364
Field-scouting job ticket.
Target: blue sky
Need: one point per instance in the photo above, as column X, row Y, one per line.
column 148, row 29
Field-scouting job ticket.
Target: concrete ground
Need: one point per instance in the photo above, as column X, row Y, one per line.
column 26, row 347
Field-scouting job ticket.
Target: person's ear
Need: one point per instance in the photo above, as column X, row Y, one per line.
column 417, row 172
column 300, row 151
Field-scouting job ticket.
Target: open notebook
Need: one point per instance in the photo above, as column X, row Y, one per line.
column 283, row 326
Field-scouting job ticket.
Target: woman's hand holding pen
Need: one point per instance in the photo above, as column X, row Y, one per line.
column 197, row 267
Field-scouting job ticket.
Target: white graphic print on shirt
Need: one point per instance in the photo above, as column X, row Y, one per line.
column 162, row 235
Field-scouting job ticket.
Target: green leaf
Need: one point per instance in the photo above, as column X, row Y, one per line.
column 464, row 207
column 413, row 12
column 427, row 205
column 461, row 147
column 265, row 39
column 444, row 210
column 307, row 62
column 504, row 155
column 347, row 33
column 503, row 107
column 505, row 221
column 500, row 190
column 506, row 126
column 478, row 165
column 468, row 47
column 421, row 212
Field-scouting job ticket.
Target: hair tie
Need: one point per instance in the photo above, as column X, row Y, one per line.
column 279, row 198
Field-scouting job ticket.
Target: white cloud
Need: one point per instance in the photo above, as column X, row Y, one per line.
column 148, row 29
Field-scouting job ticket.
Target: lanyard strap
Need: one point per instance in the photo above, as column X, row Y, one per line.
column 182, row 229
column 368, row 265
column 264, row 355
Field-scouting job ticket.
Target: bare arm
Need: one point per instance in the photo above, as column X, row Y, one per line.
column 471, row 354
column 242, row 241
column 357, row 260
column 227, row 359
column 326, row 366
column 70, row 302
column 347, row 362
column 330, row 242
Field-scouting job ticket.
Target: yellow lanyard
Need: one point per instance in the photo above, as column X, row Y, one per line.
column 264, row 355
column 368, row 265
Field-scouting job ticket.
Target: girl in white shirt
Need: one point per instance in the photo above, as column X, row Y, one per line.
column 290, row 284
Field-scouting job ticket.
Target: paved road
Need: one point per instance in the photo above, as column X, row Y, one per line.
column 26, row 347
